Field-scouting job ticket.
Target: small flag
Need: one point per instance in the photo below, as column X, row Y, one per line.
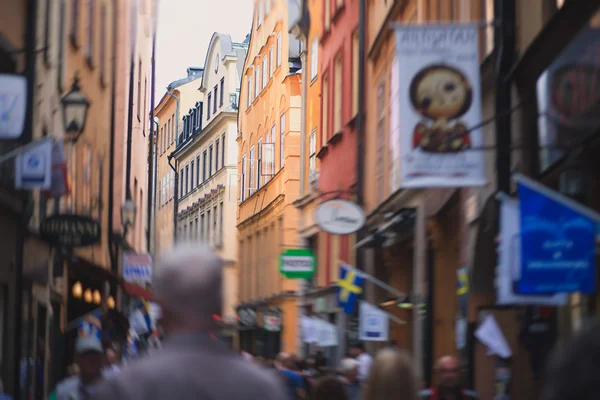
column 145, row 309
column 350, row 287
column 33, row 166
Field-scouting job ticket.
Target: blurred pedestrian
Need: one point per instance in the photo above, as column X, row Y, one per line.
column 296, row 388
column 330, row 388
column 364, row 359
column 448, row 370
column 349, row 376
column 392, row 377
column 192, row 365
column 112, row 363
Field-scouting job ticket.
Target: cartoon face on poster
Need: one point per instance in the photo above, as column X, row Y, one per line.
column 440, row 106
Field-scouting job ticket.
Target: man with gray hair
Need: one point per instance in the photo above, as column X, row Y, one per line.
column 192, row 365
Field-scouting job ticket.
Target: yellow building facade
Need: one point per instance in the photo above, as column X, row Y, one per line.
column 207, row 162
column 268, row 178
column 181, row 95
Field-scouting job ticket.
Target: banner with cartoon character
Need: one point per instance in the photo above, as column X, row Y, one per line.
column 440, row 105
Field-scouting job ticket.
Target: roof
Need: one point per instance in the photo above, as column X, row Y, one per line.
column 194, row 73
column 227, row 48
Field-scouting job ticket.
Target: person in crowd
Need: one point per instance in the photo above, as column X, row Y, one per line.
column 448, row 370
column 364, row 359
column 286, row 365
column 320, row 364
column 349, row 376
column 112, row 363
column 330, row 388
column 573, row 367
column 4, row 396
column 89, row 360
column 192, row 365
column 392, row 377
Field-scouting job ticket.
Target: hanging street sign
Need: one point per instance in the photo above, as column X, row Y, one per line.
column 339, row 217
column 13, row 105
column 297, row 264
column 70, row 230
column 558, row 242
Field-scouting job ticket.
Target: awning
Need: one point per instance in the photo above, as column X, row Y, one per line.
column 401, row 222
column 133, row 290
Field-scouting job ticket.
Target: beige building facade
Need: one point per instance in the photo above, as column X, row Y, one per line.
column 207, row 163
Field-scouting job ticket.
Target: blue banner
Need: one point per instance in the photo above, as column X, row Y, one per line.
column 558, row 244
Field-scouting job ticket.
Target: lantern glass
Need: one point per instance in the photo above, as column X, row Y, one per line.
column 110, row 302
column 572, row 181
column 77, row 290
column 128, row 213
column 87, row 296
column 75, row 108
column 97, row 297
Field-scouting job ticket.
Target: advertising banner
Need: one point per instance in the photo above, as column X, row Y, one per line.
column 373, row 323
column 137, row 268
column 440, row 105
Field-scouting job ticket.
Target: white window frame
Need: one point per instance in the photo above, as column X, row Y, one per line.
column 312, row 151
column 249, row 97
column 259, row 174
column 265, row 77
column 314, row 59
column 271, row 69
column 282, row 140
column 252, row 176
column 256, row 81
column 279, row 47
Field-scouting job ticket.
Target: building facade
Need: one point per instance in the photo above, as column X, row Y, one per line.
column 207, row 161
column 268, row 167
column 180, row 96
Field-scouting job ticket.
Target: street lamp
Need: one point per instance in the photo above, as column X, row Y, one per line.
column 128, row 213
column 75, row 108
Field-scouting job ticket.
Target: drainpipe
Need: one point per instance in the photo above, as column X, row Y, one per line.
column 30, row 57
column 174, row 167
column 151, row 152
column 130, row 111
column 360, row 121
column 111, row 167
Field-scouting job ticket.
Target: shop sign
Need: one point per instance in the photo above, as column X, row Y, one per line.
column 297, row 264
column 272, row 321
column 13, row 104
column 137, row 268
column 70, row 230
column 247, row 317
column 339, row 217
column 558, row 242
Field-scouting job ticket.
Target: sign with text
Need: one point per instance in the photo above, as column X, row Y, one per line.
column 558, row 242
column 33, row 166
column 339, row 217
column 439, row 104
column 373, row 323
column 13, row 105
column 137, row 268
column 70, row 230
column 297, row 264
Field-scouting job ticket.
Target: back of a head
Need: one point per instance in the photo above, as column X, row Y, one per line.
column 574, row 367
column 348, row 365
column 187, row 282
column 330, row 388
column 392, row 376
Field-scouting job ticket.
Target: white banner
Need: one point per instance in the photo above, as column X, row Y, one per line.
column 33, row 166
column 318, row 331
column 509, row 261
column 440, row 101
column 374, row 324
column 13, row 105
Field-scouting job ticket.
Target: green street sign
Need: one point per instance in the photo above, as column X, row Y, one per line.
column 297, row 264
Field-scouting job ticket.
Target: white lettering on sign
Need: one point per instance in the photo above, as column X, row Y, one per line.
column 297, row 264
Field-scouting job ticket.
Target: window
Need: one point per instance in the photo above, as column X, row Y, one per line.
column 269, row 154
column 75, row 22
column 395, row 157
column 214, row 231
column 252, row 179
column 327, row 15
column 259, row 16
column 337, row 95
column 204, row 170
column 243, row 185
column 265, row 77
column 215, row 103
column 89, row 47
column 202, row 226
column 181, row 183
column 259, row 163
column 489, row 30
column 267, row 7
column 256, row 81
column 48, row 12
column 223, row 150
column 222, row 91
column 102, row 57
column 208, row 237
column 249, row 95
column 187, row 180
column 282, row 140
column 173, row 128
column 314, row 59
column 197, row 170
column 339, row 4
column 139, row 90
column 271, row 69
column 355, row 80
column 208, row 106
column 210, row 160
column 192, row 186
column 312, row 152
column 380, row 138
column 221, row 210
column 278, row 49
column 145, row 114
column 325, row 108
column 160, row 197
column 217, row 155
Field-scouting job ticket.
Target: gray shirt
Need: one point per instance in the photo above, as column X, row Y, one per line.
column 191, row 366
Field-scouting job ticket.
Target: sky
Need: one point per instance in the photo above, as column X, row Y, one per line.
column 185, row 28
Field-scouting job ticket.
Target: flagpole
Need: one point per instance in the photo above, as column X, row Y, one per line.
column 376, row 281
column 19, row 150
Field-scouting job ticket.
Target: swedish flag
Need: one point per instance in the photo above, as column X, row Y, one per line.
column 350, row 287
column 144, row 307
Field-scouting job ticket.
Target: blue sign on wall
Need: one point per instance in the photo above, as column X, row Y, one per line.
column 558, row 243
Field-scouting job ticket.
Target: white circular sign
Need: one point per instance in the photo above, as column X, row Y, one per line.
column 340, row 217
